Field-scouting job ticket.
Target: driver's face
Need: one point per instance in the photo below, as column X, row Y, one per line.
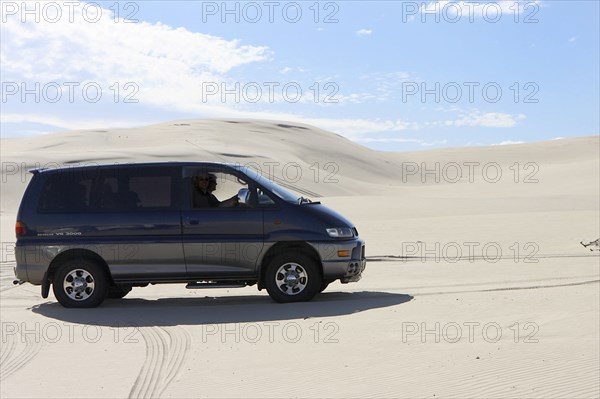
column 212, row 185
column 203, row 182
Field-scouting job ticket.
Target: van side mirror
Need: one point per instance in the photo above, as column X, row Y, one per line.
column 244, row 196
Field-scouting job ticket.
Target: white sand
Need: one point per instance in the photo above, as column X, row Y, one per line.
column 421, row 327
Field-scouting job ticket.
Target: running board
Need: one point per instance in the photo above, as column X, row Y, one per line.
column 212, row 284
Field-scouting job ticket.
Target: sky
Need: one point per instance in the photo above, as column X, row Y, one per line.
column 390, row 75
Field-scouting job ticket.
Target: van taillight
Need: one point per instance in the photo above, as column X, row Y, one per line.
column 20, row 228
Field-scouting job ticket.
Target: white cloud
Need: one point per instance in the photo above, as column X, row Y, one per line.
column 572, row 39
column 485, row 119
column 431, row 143
column 364, row 32
column 356, row 98
column 509, row 142
column 357, row 128
column 168, row 64
column 387, row 84
column 288, row 69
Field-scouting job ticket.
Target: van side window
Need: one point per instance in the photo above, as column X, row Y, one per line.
column 66, row 193
column 135, row 191
column 218, row 189
column 150, row 191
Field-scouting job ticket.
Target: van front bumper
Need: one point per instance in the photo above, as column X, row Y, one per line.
column 346, row 269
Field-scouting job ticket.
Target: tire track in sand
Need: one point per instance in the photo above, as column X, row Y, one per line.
column 12, row 359
column 166, row 349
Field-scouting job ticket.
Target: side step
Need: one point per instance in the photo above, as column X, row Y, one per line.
column 216, row 284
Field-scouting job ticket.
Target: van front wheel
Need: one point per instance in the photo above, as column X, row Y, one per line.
column 292, row 277
column 80, row 283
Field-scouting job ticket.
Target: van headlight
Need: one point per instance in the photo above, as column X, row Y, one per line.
column 340, row 232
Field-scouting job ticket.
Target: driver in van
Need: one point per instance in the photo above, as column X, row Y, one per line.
column 204, row 184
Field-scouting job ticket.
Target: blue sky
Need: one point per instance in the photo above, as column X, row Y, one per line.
column 390, row 75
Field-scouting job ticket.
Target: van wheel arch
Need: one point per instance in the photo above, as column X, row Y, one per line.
column 282, row 247
column 71, row 254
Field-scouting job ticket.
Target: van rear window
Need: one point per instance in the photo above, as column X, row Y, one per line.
column 63, row 193
column 122, row 189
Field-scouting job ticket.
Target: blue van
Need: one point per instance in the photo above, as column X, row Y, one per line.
column 94, row 232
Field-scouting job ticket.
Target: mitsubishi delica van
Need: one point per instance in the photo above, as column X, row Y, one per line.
column 94, row 232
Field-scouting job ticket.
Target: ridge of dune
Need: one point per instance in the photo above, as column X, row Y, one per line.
column 329, row 164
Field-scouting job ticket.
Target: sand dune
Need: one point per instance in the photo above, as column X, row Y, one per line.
column 424, row 320
column 311, row 158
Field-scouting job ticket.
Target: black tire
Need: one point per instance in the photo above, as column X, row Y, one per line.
column 118, row 291
column 80, row 283
column 301, row 269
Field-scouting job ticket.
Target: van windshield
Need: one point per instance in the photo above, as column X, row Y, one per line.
column 275, row 188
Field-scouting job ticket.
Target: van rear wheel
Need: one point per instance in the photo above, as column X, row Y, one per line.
column 80, row 283
column 292, row 277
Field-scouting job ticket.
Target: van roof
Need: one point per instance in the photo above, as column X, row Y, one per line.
column 113, row 165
